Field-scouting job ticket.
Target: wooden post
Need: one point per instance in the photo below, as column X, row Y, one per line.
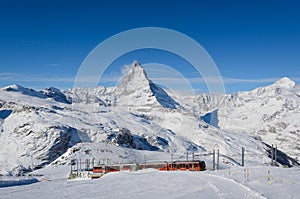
column 269, row 177
column 248, row 174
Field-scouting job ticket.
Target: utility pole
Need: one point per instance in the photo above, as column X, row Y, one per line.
column 171, row 161
column 218, row 160
column 79, row 164
column 187, row 156
column 193, row 156
column 214, row 159
column 243, row 156
column 31, row 161
column 87, row 164
column 272, row 154
column 276, row 154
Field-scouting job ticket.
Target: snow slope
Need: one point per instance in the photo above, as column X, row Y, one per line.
column 145, row 184
column 150, row 183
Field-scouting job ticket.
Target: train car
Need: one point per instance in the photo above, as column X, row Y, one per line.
column 106, row 169
column 184, row 166
column 151, row 166
column 127, row 168
column 116, row 168
column 98, row 169
column 113, row 168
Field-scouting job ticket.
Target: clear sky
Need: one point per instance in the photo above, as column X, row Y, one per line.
column 43, row 43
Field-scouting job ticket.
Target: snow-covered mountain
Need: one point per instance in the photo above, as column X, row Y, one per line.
column 136, row 90
column 41, row 127
column 270, row 113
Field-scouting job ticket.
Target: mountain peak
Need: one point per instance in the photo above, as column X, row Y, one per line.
column 137, row 90
column 50, row 92
column 134, row 80
column 14, row 87
column 23, row 90
column 136, row 64
column 284, row 82
column 56, row 94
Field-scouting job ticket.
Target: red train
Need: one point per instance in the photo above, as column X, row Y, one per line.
column 106, row 169
column 185, row 166
column 174, row 166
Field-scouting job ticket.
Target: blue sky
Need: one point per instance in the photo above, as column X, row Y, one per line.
column 43, row 43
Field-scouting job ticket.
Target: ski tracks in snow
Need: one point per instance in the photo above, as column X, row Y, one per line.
column 229, row 188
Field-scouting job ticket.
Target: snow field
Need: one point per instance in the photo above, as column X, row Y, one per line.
column 282, row 182
column 142, row 184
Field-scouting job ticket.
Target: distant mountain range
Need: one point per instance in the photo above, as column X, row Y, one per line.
column 270, row 114
column 38, row 128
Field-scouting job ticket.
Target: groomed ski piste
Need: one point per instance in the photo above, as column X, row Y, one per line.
column 236, row 182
